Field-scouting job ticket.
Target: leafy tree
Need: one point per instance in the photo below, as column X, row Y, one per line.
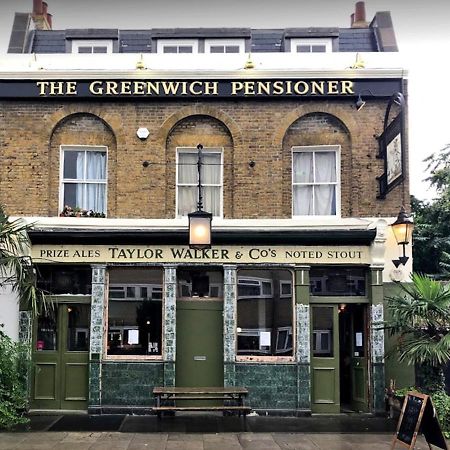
column 432, row 220
column 16, row 268
column 420, row 322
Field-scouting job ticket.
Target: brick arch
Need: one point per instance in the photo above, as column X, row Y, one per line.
column 336, row 111
column 312, row 128
column 200, row 110
column 80, row 127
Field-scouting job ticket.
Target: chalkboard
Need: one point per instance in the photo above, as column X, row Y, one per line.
column 417, row 414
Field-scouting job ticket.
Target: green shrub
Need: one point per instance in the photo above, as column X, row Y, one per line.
column 14, row 363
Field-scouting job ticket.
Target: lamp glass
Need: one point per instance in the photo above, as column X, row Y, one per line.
column 200, row 230
column 403, row 228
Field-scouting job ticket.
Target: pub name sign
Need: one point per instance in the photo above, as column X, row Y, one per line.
column 204, row 88
column 180, row 254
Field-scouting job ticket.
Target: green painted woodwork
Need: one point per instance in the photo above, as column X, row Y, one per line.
column 302, row 288
column 325, row 388
column 199, row 347
column 60, row 377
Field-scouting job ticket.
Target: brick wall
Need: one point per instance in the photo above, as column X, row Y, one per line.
column 264, row 131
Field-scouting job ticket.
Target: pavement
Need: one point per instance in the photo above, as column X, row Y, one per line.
column 203, row 432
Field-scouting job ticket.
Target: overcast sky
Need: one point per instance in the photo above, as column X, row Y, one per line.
column 422, row 28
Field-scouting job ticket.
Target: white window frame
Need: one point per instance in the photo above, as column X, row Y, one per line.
column 337, row 183
column 282, row 343
column 225, row 42
column 188, row 286
column 317, row 350
column 254, row 281
column 77, row 43
column 151, row 289
column 255, row 332
column 205, row 150
column 285, row 283
column 311, row 41
column 62, row 180
column 161, row 43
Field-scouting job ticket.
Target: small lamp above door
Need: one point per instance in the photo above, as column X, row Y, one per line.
column 402, row 228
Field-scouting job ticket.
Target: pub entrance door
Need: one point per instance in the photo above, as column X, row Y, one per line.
column 60, row 358
column 339, row 362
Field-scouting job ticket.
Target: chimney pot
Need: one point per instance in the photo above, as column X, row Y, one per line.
column 49, row 20
column 360, row 12
column 37, row 7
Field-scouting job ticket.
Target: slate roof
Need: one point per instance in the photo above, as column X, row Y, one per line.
column 261, row 40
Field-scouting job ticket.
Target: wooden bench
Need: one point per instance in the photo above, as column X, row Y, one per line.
column 168, row 399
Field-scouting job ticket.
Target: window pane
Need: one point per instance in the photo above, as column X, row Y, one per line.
column 325, row 198
column 303, row 200
column 325, row 167
column 335, row 281
column 95, row 198
column 232, row 49
column 187, row 200
column 217, row 49
column 211, row 168
column 70, row 194
column 264, row 318
column 211, row 199
column 64, row 279
column 187, row 168
column 170, row 49
column 73, row 165
column 100, row 50
column 78, row 331
column 185, row 49
column 96, row 166
column 303, row 167
column 318, row 48
column 198, row 283
column 84, row 49
column 46, row 338
column 303, row 48
column 323, row 331
column 134, row 325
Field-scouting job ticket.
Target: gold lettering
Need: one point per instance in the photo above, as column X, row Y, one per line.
column 42, row 85
column 317, row 87
column 249, row 88
column 125, row 87
column 96, row 88
column 192, row 86
column 153, row 87
column 263, row 86
column 111, row 88
column 184, row 88
column 56, row 88
column 139, row 87
column 211, row 87
column 170, row 87
column 278, row 88
column 347, row 87
column 305, row 86
column 333, row 88
column 71, row 88
column 289, row 87
column 236, row 86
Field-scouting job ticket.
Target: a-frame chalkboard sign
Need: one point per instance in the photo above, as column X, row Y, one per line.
column 418, row 414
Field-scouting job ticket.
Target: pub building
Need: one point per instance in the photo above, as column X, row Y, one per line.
column 294, row 140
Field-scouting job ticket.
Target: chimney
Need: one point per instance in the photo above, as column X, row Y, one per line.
column 359, row 18
column 41, row 18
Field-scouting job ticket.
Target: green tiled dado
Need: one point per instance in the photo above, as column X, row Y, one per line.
column 271, row 386
column 129, row 383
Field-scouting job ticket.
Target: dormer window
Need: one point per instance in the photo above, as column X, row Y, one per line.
column 319, row 45
column 177, row 46
column 224, row 46
column 92, row 46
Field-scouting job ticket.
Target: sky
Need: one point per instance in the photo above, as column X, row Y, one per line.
column 422, row 29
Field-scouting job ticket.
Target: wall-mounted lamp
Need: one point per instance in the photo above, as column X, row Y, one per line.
column 402, row 228
column 200, row 221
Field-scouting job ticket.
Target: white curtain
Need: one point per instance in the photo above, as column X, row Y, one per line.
column 314, row 198
column 188, row 183
column 91, row 196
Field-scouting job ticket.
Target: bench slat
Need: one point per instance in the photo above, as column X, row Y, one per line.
column 202, row 408
column 200, row 390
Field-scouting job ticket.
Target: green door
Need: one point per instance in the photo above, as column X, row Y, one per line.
column 61, row 358
column 359, row 391
column 325, row 386
column 199, row 356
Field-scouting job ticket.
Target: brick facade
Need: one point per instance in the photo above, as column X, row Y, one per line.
column 32, row 132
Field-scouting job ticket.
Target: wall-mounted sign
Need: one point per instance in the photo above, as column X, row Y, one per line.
column 392, row 148
column 178, row 254
column 204, row 88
